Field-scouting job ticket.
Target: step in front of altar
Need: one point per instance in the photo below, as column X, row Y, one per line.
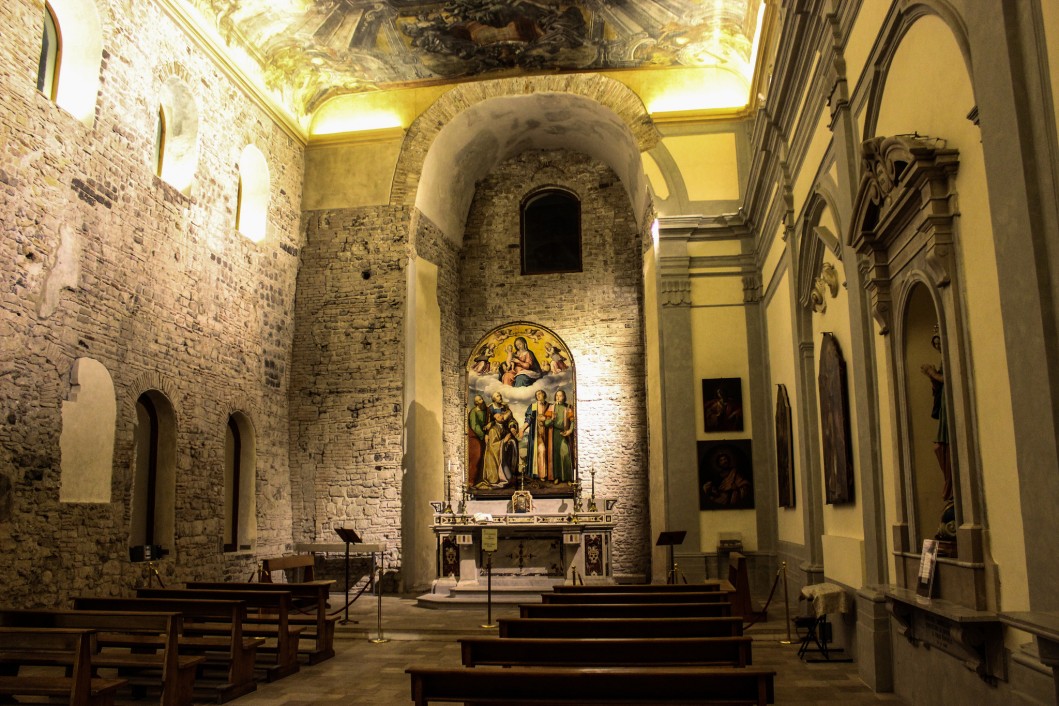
column 505, row 590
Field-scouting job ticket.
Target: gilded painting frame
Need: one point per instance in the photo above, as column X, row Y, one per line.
column 521, row 422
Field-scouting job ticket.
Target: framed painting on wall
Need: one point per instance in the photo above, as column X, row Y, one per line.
column 784, row 448
column 726, row 475
column 521, row 421
column 722, row 404
column 834, row 423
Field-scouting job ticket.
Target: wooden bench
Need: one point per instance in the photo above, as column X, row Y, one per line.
column 621, row 627
column 650, row 597
column 75, row 684
column 624, row 610
column 600, row 652
column 576, row 687
column 310, row 596
column 280, row 646
column 304, row 564
column 232, row 652
column 708, row 585
column 172, row 672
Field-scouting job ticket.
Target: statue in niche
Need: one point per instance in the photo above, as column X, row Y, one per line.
column 936, row 375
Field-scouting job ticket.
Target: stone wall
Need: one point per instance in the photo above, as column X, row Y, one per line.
column 347, row 389
column 104, row 260
column 597, row 312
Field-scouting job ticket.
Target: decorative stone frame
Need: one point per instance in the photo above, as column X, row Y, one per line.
column 905, row 234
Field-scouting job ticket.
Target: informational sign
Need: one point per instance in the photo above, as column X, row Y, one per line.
column 489, row 540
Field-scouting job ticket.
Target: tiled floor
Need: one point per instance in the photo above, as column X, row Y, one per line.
column 363, row 672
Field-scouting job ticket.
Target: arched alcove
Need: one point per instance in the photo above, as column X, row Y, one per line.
column 480, row 125
column 240, row 482
column 252, row 209
column 87, row 440
column 154, row 482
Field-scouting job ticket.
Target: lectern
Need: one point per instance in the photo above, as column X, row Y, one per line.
column 349, row 536
column 671, row 539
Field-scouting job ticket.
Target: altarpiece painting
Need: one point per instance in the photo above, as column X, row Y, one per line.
column 521, row 419
column 834, row 423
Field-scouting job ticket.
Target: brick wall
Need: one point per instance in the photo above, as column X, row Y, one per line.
column 347, row 389
column 156, row 285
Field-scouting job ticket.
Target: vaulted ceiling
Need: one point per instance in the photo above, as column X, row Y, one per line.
column 305, row 52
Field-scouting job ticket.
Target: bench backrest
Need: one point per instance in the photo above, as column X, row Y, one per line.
column 588, row 652
column 649, row 597
column 305, row 563
column 229, row 611
column 621, row 627
column 624, row 610
column 655, row 685
column 80, row 643
column 707, row 585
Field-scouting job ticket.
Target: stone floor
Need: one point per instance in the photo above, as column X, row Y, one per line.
column 364, row 672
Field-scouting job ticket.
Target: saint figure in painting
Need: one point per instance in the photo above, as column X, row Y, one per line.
column 522, row 367
column 501, row 445
column 538, row 459
column 477, row 423
column 560, row 423
column 730, row 487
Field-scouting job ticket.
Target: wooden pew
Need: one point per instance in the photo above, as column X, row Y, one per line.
column 232, row 651
column 651, row 597
column 624, row 610
column 305, row 564
column 612, row 652
column 172, row 672
column 75, row 685
column 708, row 585
column 576, row 687
column 621, row 627
column 310, row 596
column 281, row 638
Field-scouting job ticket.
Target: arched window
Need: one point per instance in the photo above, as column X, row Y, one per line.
column 240, row 505
column 154, row 483
column 50, row 52
column 177, row 136
column 252, row 210
column 551, row 232
column 71, row 51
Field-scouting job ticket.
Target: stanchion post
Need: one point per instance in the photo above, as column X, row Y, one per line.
column 786, row 604
column 489, row 545
column 378, row 588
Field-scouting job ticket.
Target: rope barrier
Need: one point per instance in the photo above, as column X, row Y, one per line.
column 768, row 602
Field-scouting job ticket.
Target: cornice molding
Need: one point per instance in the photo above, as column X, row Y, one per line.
column 192, row 26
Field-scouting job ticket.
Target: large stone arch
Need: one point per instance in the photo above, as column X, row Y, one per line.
column 478, row 125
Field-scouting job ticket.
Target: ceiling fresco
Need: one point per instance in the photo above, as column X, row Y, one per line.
column 311, row 50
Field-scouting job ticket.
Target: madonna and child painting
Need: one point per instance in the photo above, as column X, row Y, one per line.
column 521, row 418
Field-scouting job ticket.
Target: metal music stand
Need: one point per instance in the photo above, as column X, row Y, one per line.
column 349, row 536
column 671, row 539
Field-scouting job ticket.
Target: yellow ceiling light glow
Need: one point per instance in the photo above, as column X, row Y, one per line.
column 365, row 112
